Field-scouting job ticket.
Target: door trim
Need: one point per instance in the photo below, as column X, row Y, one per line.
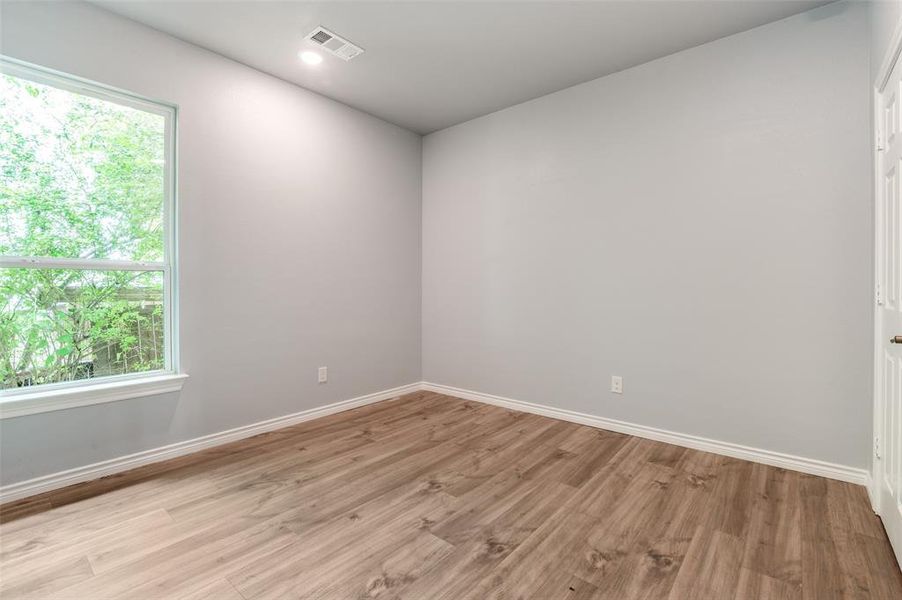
column 889, row 60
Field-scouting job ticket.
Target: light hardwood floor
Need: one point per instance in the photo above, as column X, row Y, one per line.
column 430, row 497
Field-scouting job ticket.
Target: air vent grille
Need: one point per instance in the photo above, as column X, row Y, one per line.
column 320, row 37
column 334, row 44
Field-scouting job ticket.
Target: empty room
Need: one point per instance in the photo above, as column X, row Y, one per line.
column 450, row 300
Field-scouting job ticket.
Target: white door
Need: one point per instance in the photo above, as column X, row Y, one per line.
column 888, row 417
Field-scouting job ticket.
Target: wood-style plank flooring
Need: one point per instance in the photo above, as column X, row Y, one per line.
column 430, row 497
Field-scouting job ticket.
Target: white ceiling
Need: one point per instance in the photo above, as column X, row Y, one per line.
column 429, row 65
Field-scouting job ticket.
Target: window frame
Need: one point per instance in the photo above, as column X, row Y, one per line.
column 58, row 396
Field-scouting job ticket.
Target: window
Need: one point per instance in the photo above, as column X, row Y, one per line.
column 86, row 234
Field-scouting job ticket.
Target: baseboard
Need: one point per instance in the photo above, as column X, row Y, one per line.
column 767, row 457
column 46, row 483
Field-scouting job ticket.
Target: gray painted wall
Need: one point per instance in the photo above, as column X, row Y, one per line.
column 299, row 242
column 700, row 225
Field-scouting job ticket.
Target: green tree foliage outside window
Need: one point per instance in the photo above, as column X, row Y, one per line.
column 80, row 178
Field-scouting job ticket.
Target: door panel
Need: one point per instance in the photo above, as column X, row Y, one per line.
column 888, row 409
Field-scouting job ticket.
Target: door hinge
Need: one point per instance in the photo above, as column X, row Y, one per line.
column 877, row 446
column 878, row 294
column 879, row 142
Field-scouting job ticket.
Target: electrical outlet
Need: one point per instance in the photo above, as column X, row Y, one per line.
column 617, row 384
column 323, row 374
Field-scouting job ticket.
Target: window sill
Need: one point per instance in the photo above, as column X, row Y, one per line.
column 18, row 403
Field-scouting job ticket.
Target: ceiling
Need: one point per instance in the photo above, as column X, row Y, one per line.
column 429, row 65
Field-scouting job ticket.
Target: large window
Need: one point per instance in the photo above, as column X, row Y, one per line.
column 86, row 233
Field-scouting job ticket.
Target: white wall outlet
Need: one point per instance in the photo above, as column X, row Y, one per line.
column 617, row 384
column 323, row 374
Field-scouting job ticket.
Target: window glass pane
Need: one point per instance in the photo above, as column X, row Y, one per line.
column 80, row 177
column 61, row 324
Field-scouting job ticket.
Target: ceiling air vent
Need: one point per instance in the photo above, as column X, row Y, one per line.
column 334, row 44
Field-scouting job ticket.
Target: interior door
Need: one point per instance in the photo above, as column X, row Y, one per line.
column 888, row 430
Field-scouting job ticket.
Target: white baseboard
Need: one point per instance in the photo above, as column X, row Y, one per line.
column 46, row 483
column 767, row 457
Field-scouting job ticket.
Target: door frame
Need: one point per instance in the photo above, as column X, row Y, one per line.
column 886, row 67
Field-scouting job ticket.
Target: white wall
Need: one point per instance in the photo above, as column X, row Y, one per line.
column 700, row 225
column 299, row 242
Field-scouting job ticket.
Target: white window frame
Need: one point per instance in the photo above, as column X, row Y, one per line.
column 83, row 392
